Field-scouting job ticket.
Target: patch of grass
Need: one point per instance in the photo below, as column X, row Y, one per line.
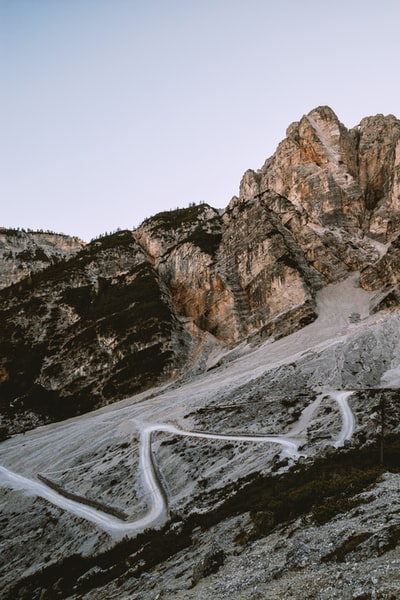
column 28, row 255
column 141, row 297
column 47, row 403
column 4, row 434
column 23, row 363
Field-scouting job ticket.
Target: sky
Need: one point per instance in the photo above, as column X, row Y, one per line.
column 114, row 110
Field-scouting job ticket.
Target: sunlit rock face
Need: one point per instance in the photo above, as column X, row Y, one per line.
column 338, row 177
column 383, row 277
column 184, row 245
column 272, row 283
column 135, row 308
column 339, row 188
column 379, row 174
column 234, row 275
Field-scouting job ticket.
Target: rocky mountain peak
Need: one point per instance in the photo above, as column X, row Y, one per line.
column 193, row 281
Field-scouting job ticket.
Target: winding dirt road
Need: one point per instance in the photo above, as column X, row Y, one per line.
column 157, row 499
column 348, row 422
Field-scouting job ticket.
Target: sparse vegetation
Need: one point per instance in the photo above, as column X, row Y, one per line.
column 206, row 236
column 325, row 488
column 207, row 242
column 3, row 434
column 173, row 219
column 28, row 255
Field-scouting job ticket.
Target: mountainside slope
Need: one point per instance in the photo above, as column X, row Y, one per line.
column 324, row 205
column 296, row 468
column 260, row 455
column 86, row 332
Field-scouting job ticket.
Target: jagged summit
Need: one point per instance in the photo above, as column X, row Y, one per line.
column 336, row 176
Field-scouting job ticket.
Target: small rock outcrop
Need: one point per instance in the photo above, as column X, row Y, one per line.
column 209, row 564
column 25, row 252
column 183, row 246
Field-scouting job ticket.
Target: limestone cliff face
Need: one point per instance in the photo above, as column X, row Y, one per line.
column 23, row 252
column 135, row 308
column 234, row 276
column 272, row 285
column 383, row 277
column 315, row 168
column 183, row 245
column 339, row 188
column 379, row 174
column 319, row 208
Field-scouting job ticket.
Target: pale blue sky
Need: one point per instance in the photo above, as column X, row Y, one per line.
column 113, row 110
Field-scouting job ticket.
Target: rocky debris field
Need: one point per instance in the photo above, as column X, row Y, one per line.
column 353, row 556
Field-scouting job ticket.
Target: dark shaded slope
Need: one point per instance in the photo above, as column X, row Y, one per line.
column 86, row 332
